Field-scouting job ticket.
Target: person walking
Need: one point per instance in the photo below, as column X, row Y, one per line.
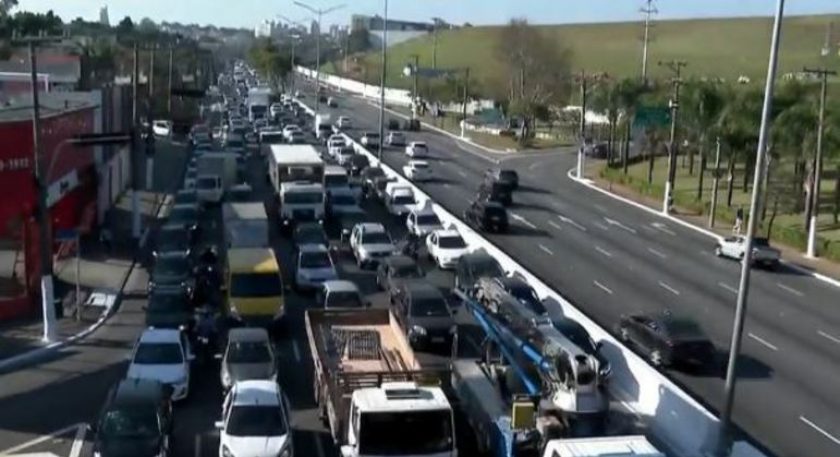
column 739, row 221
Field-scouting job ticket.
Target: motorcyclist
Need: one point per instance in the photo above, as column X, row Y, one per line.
column 206, row 331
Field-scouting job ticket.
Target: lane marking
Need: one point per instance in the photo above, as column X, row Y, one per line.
column 546, row 250
column 533, row 165
column 668, row 288
column 602, row 287
column 728, row 287
column 663, row 228
column 571, row 222
column 296, row 350
column 554, row 224
column 830, row 337
column 620, row 225
column 657, row 253
column 790, row 289
column 524, row 221
column 603, row 251
column 319, row 447
column 601, row 226
column 820, row 430
column 197, row 445
column 78, row 442
column 447, row 185
column 44, row 438
column 762, row 341
column 600, row 208
column 463, row 175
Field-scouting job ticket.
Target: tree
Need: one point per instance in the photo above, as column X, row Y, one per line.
column 629, row 92
column 269, row 60
column 702, row 105
column 126, row 26
column 6, row 7
column 358, row 41
column 739, row 126
column 604, row 99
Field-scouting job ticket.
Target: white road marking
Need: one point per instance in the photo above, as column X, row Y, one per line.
column 830, row 337
column 657, row 253
column 546, row 250
column 728, row 287
column 554, row 224
column 197, row 445
column 78, row 442
column 603, row 251
column 601, row 226
column 447, row 185
column 571, row 222
column 463, row 175
column 663, row 228
column 296, row 350
column 41, row 439
column 319, row 447
column 620, row 225
column 533, row 165
column 668, row 288
column 790, row 289
column 602, row 287
column 762, row 341
column 523, row 221
column 820, row 430
column 600, row 208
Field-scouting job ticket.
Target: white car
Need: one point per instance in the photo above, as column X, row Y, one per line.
column 344, row 155
column 255, row 421
column 734, row 247
column 422, row 221
column 370, row 139
column 344, row 122
column 209, row 189
column 399, row 200
column 275, row 109
column 296, row 137
column 314, row 266
column 288, row 130
column 417, row 150
column 396, row 139
column 335, row 144
column 163, row 355
column 370, row 242
column 445, row 247
column 417, row 170
column 162, row 128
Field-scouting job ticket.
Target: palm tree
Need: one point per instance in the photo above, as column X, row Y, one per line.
column 628, row 93
column 738, row 125
column 604, row 99
column 703, row 105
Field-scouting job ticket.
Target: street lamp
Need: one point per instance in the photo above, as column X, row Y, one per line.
column 292, row 38
column 319, row 13
column 382, row 80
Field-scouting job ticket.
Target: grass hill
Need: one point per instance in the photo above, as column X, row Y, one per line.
column 724, row 48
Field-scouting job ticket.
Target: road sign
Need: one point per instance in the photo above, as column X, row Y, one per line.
column 66, row 234
column 651, row 116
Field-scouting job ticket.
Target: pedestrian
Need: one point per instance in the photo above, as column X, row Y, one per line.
column 739, row 221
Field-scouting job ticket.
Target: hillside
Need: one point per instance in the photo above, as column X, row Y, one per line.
column 713, row 47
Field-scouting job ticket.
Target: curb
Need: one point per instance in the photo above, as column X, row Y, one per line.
column 590, row 184
column 31, row 356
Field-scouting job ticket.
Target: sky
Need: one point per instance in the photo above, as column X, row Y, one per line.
column 247, row 13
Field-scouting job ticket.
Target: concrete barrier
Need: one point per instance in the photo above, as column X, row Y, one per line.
column 675, row 418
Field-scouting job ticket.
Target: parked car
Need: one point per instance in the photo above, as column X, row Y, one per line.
column 473, row 266
column 314, row 266
column 370, row 139
column 339, row 293
column 248, row 355
column 422, row 221
column 666, row 340
column 417, row 150
column 422, row 311
column 395, row 268
column 136, row 420
column 445, row 247
column 417, row 170
column 734, row 247
column 255, row 421
column 487, row 215
column 395, row 139
column 370, row 243
column 163, row 355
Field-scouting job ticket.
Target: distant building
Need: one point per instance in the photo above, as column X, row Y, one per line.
column 313, row 28
column 264, row 29
column 103, row 16
column 398, row 31
column 56, row 72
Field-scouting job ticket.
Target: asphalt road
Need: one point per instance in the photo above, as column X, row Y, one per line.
column 611, row 258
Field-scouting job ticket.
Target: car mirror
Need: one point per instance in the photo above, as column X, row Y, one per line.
column 219, row 425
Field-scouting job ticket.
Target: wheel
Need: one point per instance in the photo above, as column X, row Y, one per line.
column 718, row 251
column 656, row 358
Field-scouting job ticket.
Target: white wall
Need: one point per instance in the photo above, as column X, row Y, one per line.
column 394, row 37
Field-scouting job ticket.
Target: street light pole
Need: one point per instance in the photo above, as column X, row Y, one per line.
column 649, row 9
column 715, row 184
column 319, row 13
column 169, row 92
column 676, row 67
column 464, row 108
column 741, row 305
column 382, row 80
column 581, row 165
column 135, row 188
column 815, row 182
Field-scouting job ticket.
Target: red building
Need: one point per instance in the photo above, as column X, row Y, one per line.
column 71, row 184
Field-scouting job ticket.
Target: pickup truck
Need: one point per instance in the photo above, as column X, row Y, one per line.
column 734, row 247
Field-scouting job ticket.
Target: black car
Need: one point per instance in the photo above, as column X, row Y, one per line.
column 184, row 215
column 667, row 341
column 579, row 336
column 187, row 197
column 169, row 308
column 307, row 233
column 357, row 164
column 393, row 124
column 369, row 176
column 394, row 269
column 495, row 191
column 173, row 238
column 473, row 266
column 506, row 178
column 136, row 420
column 487, row 215
column 172, row 269
column 422, row 311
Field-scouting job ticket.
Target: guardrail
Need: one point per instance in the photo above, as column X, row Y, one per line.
column 676, row 419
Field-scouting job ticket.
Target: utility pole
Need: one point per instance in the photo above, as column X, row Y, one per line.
column 648, row 10
column 152, row 74
column 169, row 92
column 715, row 184
column 746, row 263
column 382, row 80
column 466, row 95
column 815, row 182
column 581, row 165
column 434, row 48
column 346, row 49
column 135, row 188
column 676, row 67
column 39, row 173
column 292, row 64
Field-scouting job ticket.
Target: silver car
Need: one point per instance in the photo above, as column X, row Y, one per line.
column 248, row 356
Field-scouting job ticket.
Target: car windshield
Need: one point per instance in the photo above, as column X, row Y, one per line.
column 134, row 422
column 255, row 285
column 405, row 433
column 343, row 300
column 420, row 165
column 429, row 306
column 419, row 146
column 303, row 198
column 253, row 420
column 452, row 242
column 508, row 175
column 207, row 183
column 173, row 240
column 372, row 136
column 315, row 260
column 158, row 354
column 335, row 180
column 376, row 238
column 343, row 200
column 525, row 294
column 171, row 266
column 248, row 352
column 167, row 302
column 403, row 200
column 407, row 270
column 428, row 219
column 186, row 198
column 682, row 329
column 487, row 267
column 374, row 172
column 272, row 138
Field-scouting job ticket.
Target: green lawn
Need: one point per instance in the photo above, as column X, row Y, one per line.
column 788, row 228
column 715, row 47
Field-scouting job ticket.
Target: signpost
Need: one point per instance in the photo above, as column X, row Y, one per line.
column 72, row 235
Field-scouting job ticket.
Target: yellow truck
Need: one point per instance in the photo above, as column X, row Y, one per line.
column 253, row 286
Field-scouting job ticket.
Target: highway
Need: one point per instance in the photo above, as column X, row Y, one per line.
column 611, row 258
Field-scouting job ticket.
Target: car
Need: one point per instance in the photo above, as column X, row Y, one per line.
column 169, row 308
column 314, row 266
column 275, row 109
column 344, row 123
column 356, row 164
column 135, row 420
column 339, row 293
column 422, row 221
column 344, row 155
column 296, row 137
column 235, row 142
column 369, row 175
column 473, row 266
column 310, row 234
column 370, row 139
column 187, row 197
column 417, row 170
column 288, row 130
column 393, row 124
column 399, row 199
column 370, row 243
column 240, row 193
column 248, row 355
column 734, row 247
column 493, row 289
column 395, row 139
column 422, row 311
column 185, row 216
column 487, row 215
column 255, row 421
column 332, row 102
column 380, row 186
column 495, row 191
column 667, row 340
column 445, row 247
column 417, row 150
column 163, row 355
column 506, row 177
column 162, row 128
column 335, row 143
column 395, row 268
column 342, row 204
column 172, row 270
column 173, row 238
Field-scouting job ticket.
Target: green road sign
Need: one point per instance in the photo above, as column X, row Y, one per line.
column 651, row 116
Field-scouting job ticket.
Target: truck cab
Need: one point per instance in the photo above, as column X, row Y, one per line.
column 301, row 202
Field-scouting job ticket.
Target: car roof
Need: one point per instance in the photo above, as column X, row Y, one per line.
column 340, row 285
column 371, row 227
column 399, row 260
column 477, row 256
column 136, row 392
column 420, row 288
column 160, row 335
column 256, row 392
column 447, row 233
column 309, row 248
column 248, row 334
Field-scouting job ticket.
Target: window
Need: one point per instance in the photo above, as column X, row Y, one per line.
column 403, row 200
column 206, row 183
column 249, row 352
column 315, row 260
column 343, row 300
column 253, row 420
column 335, row 180
column 134, row 422
column 416, row 432
column 303, row 198
column 158, row 354
column 255, row 285
column 452, row 242
column 428, row 219
column 429, row 306
column 376, row 238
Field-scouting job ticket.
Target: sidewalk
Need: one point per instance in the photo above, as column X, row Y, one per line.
column 99, row 269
